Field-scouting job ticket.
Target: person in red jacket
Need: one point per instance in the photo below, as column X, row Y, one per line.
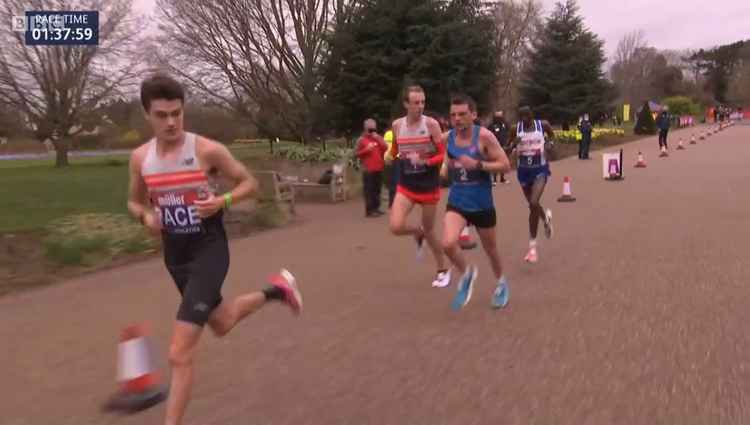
column 370, row 150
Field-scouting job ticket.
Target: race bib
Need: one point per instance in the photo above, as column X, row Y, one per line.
column 177, row 212
column 412, row 166
column 460, row 175
column 530, row 160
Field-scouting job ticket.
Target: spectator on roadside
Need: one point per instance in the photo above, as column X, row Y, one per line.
column 585, row 127
column 663, row 123
column 499, row 127
column 391, row 168
column 370, row 150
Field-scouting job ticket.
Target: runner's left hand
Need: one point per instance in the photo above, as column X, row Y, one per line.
column 468, row 162
column 415, row 159
column 209, row 206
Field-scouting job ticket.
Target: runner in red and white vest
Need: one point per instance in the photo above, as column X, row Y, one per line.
column 174, row 195
column 419, row 150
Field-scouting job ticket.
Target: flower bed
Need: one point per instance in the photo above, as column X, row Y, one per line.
column 575, row 136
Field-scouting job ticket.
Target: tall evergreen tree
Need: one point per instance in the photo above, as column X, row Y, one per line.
column 645, row 123
column 564, row 78
column 717, row 65
column 445, row 46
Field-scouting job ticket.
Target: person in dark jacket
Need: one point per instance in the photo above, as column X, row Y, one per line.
column 499, row 127
column 586, row 128
column 663, row 123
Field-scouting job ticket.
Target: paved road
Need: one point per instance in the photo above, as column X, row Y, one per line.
column 635, row 314
column 71, row 154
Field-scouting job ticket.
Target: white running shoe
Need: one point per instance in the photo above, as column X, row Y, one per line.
column 442, row 280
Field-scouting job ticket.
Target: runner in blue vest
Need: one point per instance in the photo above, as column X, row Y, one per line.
column 473, row 154
column 533, row 171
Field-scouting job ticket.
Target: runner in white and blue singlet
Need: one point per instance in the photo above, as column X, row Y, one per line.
column 533, row 171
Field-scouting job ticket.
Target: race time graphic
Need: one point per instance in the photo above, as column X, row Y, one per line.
column 58, row 28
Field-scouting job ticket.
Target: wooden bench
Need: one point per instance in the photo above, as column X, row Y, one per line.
column 336, row 188
column 273, row 188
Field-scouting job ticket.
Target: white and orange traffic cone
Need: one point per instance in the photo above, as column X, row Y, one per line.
column 567, row 195
column 641, row 161
column 692, row 139
column 703, row 135
column 680, row 146
column 139, row 382
column 465, row 241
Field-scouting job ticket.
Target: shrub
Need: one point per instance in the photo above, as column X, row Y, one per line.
column 645, row 123
column 86, row 239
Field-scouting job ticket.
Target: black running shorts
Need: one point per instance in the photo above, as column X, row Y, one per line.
column 198, row 264
column 484, row 219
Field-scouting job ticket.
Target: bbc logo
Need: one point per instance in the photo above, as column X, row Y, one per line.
column 18, row 23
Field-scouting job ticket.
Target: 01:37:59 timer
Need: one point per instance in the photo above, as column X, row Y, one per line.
column 62, row 34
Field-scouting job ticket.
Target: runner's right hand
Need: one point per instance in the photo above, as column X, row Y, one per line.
column 151, row 222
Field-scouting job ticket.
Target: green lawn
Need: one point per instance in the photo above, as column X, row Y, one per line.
column 35, row 193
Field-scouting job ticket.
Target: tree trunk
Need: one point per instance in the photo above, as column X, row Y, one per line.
column 61, row 153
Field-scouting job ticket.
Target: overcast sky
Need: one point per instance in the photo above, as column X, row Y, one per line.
column 668, row 24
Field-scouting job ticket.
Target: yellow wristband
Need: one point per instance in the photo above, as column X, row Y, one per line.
column 227, row 200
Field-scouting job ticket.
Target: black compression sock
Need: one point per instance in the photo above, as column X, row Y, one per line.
column 274, row 293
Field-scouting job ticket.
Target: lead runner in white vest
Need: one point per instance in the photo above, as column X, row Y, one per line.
column 530, row 145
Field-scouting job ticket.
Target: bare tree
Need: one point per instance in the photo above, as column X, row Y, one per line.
column 257, row 57
column 631, row 60
column 516, row 23
column 628, row 45
column 59, row 88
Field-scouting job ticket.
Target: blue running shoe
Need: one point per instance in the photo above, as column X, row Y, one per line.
column 501, row 296
column 465, row 287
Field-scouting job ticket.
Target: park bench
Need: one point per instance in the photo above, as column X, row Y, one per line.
column 272, row 187
column 336, row 188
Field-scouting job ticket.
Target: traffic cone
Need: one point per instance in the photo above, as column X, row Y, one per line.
column 703, row 135
column 641, row 162
column 680, row 146
column 139, row 383
column 567, row 195
column 663, row 152
column 692, row 139
column 465, row 241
